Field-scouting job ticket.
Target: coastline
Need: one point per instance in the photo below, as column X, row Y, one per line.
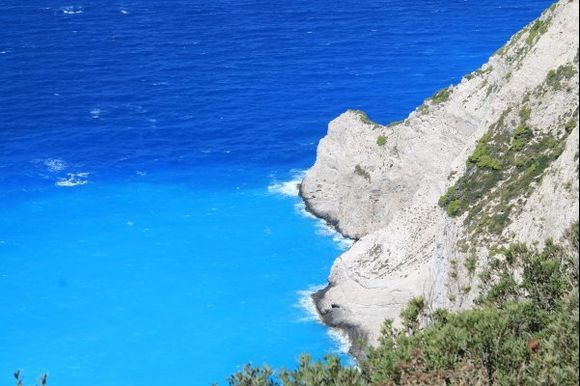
column 402, row 188
column 330, row 221
column 356, row 336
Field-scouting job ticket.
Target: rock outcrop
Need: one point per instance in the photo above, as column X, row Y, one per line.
column 489, row 161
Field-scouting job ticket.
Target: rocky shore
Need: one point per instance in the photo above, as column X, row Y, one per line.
column 425, row 197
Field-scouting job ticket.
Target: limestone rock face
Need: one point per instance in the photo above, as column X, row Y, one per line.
column 381, row 184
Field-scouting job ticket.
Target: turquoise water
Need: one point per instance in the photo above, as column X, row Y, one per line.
column 145, row 238
column 126, row 283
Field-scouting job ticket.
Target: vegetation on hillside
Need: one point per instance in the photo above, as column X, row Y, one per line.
column 508, row 161
column 364, row 118
column 523, row 330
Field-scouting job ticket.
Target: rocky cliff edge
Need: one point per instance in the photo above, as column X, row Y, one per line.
column 481, row 164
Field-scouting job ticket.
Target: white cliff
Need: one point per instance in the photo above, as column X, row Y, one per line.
column 382, row 184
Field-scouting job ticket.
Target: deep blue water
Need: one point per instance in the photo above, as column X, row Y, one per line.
column 139, row 242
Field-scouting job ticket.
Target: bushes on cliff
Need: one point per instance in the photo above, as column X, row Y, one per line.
column 524, row 330
column 538, row 29
column 482, row 155
column 252, row 376
column 522, row 135
column 555, row 77
column 327, row 372
column 441, row 96
column 507, row 162
column 362, row 172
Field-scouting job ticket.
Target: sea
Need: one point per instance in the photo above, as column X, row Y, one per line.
column 150, row 227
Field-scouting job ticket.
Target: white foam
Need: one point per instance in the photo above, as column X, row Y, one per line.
column 292, row 189
column 55, row 164
column 343, row 242
column 71, row 10
column 73, row 179
column 96, row 113
column 306, row 303
column 326, row 230
column 323, row 230
column 300, row 208
column 289, row 188
column 341, row 340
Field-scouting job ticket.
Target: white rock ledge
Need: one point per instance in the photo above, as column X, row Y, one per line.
column 384, row 192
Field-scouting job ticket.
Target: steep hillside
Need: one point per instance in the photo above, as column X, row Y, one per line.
column 479, row 165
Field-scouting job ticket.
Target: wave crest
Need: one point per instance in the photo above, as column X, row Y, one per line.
column 325, row 229
column 72, row 10
column 73, row 179
column 306, row 303
column 292, row 189
column 288, row 188
column 55, row 164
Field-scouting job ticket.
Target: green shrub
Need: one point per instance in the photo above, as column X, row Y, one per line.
column 573, row 235
column 570, row 125
column 318, row 373
column 481, row 155
column 525, row 113
column 454, row 208
column 252, row 376
column 538, row 28
column 412, row 313
column 441, row 96
column 359, row 171
column 471, row 263
column 365, row 118
column 423, row 109
column 502, row 169
column 524, row 331
column 327, row 372
column 555, row 77
column 513, row 330
column 381, row 140
column 521, row 136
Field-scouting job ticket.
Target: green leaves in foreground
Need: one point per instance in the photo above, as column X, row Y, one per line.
column 327, row 372
column 20, row 379
column 524, row 331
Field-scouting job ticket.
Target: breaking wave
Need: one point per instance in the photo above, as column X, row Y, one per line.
column 323, row 228
column 289, row 188
column 55, row 165
column 306, row 303
column 73, row 179
column 71, row 10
